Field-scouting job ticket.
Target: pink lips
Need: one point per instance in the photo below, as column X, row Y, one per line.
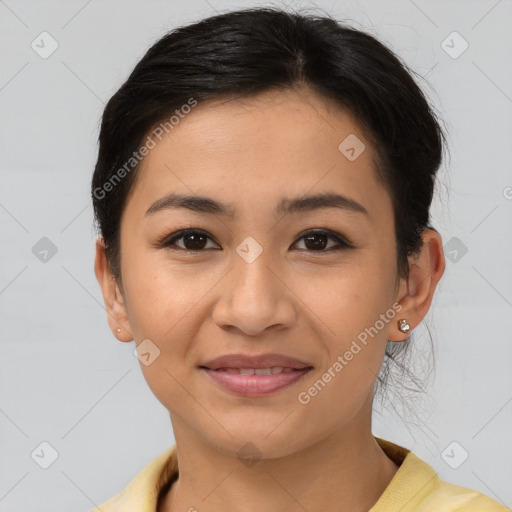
column 255, row 361
column 222, row 370
column 255, row 385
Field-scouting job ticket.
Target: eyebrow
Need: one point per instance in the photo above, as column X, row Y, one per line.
column 207, row 205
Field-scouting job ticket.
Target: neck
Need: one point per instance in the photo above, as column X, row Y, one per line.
column 346, row 471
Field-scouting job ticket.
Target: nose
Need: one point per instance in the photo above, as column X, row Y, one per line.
column 254, row 298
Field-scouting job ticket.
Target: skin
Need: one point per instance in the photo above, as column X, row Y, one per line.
column 291, row 300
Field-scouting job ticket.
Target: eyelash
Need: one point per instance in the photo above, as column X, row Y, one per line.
column 168, row 241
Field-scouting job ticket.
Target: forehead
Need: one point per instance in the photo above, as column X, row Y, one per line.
column 272, row 120
column 255, row 151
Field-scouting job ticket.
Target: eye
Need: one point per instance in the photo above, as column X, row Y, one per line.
column 196, row 240
column 316, row 241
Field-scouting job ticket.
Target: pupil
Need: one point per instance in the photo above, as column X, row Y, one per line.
column 320, row 245
column 196, row 243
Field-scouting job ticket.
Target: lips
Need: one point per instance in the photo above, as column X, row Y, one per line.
column 255, row 376
column 243, row 361
column 274, row 370
column 253, row 386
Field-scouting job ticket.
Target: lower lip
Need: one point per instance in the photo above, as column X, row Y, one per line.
column 255, row 385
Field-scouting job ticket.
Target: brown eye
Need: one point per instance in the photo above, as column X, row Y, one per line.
column 193, row 240
column 317, row 241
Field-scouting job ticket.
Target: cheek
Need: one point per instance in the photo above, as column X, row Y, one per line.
column 355, row 306
column 350, row 298
column 164, row 305
column 159, row 295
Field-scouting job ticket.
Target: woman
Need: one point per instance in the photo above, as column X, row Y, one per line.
column 262, row 193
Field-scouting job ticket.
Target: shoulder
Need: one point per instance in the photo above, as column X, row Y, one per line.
column 447, row 497
column 416, row 487
column 141, row 493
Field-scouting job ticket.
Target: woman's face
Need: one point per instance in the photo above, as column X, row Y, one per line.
column 260, row 281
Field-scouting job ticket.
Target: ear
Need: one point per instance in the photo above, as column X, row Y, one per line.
column 415, row 293
column 114, row 301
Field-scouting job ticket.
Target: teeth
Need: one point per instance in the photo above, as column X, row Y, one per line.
column 257, row 371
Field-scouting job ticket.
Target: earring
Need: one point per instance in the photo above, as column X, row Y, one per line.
column 403, row 325
column 118, row 329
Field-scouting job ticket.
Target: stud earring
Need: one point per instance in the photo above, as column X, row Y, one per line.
column 403, row 325
column 118, row 329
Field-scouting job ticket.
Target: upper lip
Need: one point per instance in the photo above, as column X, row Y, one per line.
column 256, row 361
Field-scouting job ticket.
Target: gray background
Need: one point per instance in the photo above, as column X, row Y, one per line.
column 67, row 381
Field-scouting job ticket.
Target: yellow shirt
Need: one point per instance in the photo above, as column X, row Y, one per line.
column 415, row 487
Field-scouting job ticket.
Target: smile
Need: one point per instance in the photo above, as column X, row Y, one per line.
column 254, row 382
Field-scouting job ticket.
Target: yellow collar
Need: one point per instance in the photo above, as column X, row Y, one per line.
column 415, row 487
